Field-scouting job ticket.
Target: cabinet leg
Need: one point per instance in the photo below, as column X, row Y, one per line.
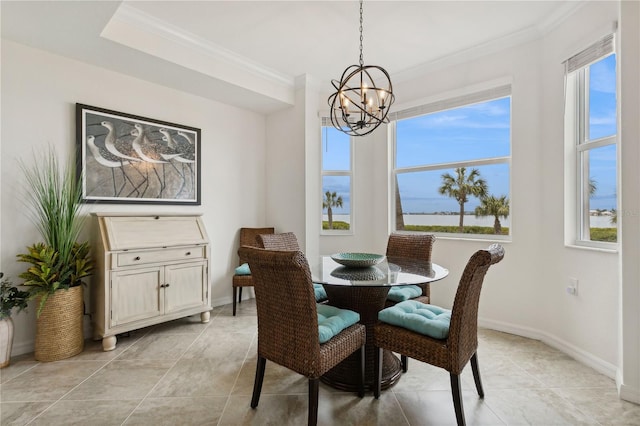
column 109, row 343
column 204, row 316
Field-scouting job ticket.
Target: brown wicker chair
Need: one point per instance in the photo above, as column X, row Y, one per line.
column 412, row 246
column 284, row 241
column 288, row 241
column 288, row 323
column 247, row 238
column 454, row 352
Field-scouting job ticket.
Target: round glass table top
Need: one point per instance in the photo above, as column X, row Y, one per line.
column 391, row 271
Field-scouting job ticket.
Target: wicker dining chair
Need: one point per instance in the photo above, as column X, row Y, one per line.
column 412, row 246
column 453, row 352
column 288, row 241
column 288, row 331
column 283, row 241
column 247, row 238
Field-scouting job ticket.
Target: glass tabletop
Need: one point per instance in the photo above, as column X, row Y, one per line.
column 389, row 272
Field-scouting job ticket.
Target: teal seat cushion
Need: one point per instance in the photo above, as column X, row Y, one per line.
column 320, row 292
column 332, row 320
column 243, row 269
column 400, row 293
column 429, row 320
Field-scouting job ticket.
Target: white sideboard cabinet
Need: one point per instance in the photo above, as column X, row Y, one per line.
column 149, row 268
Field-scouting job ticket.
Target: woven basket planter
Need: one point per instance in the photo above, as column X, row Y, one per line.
column 59, row 329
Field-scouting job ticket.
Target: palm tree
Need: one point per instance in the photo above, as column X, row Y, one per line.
column 331, row 199
column 614, row 216
column 461, row 186
column 496, row 207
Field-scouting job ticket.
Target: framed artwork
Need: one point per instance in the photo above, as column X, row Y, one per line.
column 125, row 158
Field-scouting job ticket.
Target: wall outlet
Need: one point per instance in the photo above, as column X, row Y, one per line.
column 572, row 288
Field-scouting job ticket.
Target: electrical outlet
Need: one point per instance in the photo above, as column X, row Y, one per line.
column 572, row 288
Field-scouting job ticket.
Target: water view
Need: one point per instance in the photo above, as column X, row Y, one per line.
column 469, row 220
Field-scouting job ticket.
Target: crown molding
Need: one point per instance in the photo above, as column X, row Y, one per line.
column 529, row 34
column 196, row 44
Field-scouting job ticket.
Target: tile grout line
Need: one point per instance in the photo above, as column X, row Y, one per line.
column 83, row 381
column 235, row 382
column 144, row 398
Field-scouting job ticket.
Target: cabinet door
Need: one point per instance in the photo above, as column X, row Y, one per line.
column 136, row 295
column 186, row 286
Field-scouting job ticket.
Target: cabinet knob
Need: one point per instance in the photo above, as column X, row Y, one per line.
column 188, row 253
column 136, row 258
column 166, row 285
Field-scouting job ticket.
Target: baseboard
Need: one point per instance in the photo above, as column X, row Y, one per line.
column 227, row 300
column 626, row 392
column 574, row 352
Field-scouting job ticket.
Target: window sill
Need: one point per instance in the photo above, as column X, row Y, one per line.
column 591, row 248
column 486, row 238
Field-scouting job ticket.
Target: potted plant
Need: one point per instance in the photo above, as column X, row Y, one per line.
column 10, row 297
column 58, row 264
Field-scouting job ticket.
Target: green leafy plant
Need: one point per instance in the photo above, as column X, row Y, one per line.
column 55, row 198
column 11, row 297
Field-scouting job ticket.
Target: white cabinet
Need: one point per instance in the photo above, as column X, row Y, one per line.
column 149, row 269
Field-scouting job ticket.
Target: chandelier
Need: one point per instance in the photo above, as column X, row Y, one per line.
column 362, row 98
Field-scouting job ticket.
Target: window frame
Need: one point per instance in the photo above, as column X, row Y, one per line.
column 325, row 122
column 581, row 146
column 450, row 103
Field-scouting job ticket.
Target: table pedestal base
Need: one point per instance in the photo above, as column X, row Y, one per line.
column 344, row 376
column 367, row 301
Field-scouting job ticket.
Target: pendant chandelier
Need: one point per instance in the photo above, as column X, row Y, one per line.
column 362, row 98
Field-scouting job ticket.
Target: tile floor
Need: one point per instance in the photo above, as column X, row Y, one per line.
column 188, row 373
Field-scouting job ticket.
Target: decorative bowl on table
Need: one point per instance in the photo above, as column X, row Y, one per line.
column 370, row 273
column 357, row 260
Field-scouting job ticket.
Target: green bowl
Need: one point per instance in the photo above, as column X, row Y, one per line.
column 357, row 260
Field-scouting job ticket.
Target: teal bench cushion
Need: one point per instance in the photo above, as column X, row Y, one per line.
column 320, row 292
column 243, row 269
column 400, row 293
column 429, row 320
column 332, row 320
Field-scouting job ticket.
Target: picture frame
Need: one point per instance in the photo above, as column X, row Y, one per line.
column 126, row 158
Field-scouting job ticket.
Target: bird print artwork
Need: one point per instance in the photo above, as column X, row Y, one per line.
column 130, row 158
column 111, row 162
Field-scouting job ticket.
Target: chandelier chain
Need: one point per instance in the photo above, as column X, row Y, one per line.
column 361, row 59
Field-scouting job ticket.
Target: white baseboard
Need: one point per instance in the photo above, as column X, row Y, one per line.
column 627, row 392
column 576, row 353
column 227, row 300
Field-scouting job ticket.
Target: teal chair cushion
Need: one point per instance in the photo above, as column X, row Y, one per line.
column 243, row 269
column 320, row 292
column 400, row 293
column 332, row 320
column 430, row 320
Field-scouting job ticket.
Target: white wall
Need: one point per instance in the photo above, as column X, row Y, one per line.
column 629, row 217
column 525, row 294
column 39, row 92
column 587, row 321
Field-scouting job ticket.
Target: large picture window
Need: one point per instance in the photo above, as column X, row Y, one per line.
column 591, row 121
column 452, row 165
column 336, row 181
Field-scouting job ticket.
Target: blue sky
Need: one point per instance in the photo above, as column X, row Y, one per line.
column 475, row 132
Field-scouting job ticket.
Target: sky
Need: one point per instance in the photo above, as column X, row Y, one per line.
column 475, row 132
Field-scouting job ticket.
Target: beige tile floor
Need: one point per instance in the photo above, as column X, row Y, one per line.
column 188, row 373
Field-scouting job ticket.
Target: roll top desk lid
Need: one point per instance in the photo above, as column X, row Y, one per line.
column 127, row 231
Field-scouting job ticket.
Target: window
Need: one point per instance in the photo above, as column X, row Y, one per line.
column 452, row 165
column 336, row 180
column 591, row 122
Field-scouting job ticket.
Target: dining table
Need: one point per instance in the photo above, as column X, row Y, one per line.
column 363, row 288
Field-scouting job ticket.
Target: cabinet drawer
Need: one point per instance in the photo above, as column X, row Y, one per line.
column 152, row 256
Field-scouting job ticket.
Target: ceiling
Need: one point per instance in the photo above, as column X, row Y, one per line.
column 251, row 53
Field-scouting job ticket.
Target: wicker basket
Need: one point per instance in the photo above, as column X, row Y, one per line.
column 59, row 329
